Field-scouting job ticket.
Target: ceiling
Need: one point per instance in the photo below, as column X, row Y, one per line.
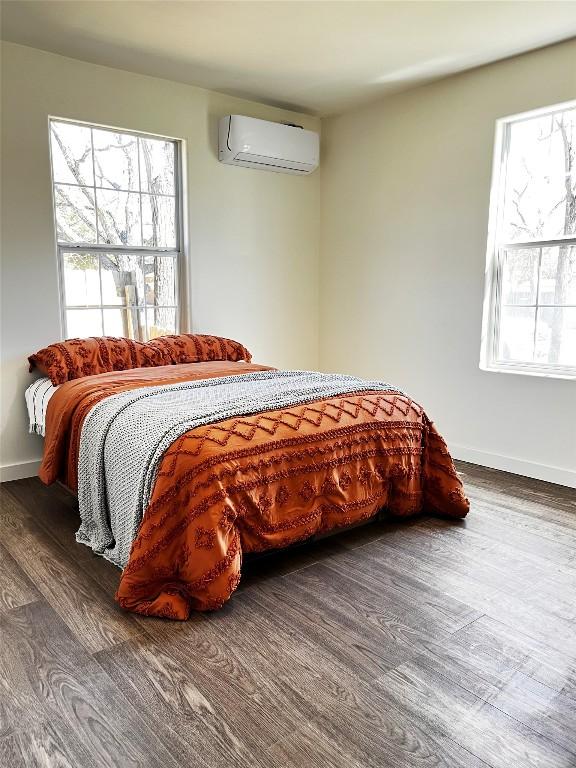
column 321, row 57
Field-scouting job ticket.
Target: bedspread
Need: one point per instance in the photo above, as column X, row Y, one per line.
column 116, row 473
column 262, row 481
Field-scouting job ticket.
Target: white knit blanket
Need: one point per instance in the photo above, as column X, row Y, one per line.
column 125, row 436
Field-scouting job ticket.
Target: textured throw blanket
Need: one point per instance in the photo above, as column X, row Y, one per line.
column 125, row 436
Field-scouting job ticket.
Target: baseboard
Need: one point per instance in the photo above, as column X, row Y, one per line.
column 19, row 471
column 558, row 475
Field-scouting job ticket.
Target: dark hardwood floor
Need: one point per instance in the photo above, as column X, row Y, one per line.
column 418, row 643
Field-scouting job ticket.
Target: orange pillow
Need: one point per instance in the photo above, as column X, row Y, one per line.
column 75, row 358
column 196, row 348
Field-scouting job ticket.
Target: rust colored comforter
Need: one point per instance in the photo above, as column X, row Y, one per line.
column 258, row 482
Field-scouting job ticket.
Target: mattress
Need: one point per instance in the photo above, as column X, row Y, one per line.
column 37, row 397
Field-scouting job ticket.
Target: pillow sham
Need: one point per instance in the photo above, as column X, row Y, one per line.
column 74, row 358
column 197, row 347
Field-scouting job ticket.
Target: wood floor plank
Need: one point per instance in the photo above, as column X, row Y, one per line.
column 224, row 654
column 17, row 702
column 363, row 631
column 407, row 570
column 309, row 747
column 10, row 752
column 436, row 615
column 492, row 668
column 499, row 740
column 61, row 683
column 365, row 649
column 497, row 652
column 494, row 562
column 55, row 510
column 544, row 711
column 15, row 587
column 497, row 561
column 529, row 516
column 548, row 499
column 310, row 684
column 473, row 587
column 498, row 565
column 532, row 536
column 39, row 746
column 89, row 611
column 421, row 603
column 350, row 712
column 200, row 719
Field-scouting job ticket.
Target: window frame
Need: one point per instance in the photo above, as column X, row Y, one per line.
column 178, row 252
column 495, row 254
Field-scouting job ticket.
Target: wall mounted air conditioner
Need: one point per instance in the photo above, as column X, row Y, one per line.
column 267, row 146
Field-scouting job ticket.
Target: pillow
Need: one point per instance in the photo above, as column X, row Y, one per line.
column 75, row 358
column 195, row 348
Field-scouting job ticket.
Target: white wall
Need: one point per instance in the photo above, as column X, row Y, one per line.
column 405, row 187
column 405, row 191
column 254, row 236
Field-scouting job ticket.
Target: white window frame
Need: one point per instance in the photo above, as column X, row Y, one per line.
column 496, row 249
column 178, row 252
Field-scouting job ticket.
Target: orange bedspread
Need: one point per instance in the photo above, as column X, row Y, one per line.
column 258, row 482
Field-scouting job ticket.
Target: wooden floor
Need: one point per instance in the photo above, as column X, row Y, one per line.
column 422, row 643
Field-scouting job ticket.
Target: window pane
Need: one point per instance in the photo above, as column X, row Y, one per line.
column 115, row 160
column 71, row 147
column 122, row 279
column 157, row 166
column 128, row 323
column 83, row 322
column 160, row 274
column 159, row 227
column 118, row 217
column 81, row 279
column 116, row 322
column 520, row 276
column 161, row 321
column 137, row 324
column 516, row 334
column 556, row 336
column 558, row 275
column 540, row 178
column 75, row 217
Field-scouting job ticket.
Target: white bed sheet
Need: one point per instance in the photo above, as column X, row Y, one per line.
column 37, row 398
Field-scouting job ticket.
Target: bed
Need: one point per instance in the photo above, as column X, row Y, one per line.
column 181, row 468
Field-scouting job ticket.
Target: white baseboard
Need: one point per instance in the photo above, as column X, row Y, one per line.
column 19, row 471
column 558, row 475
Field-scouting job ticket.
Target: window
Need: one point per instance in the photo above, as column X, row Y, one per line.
column 530, row 305
column 117, row 204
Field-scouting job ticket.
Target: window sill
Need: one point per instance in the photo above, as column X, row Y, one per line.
column 539, row 372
